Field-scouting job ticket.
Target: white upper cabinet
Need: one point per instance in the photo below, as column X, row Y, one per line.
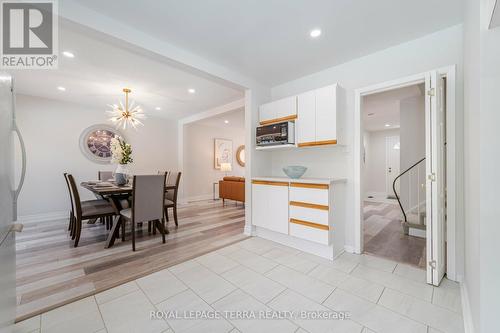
column 317, row 117
column 280, row 110
column 326, row 114
column 306, row 123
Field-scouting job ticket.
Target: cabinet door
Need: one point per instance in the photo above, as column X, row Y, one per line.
column 260, row 205
column 286, row 107
column 267, row 112
column 306, row 122
column 278, row 209
column 326, row 113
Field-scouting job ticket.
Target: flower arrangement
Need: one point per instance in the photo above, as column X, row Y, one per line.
column 121, row 151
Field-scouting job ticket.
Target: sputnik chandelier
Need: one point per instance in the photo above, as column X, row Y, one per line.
column 126, row 115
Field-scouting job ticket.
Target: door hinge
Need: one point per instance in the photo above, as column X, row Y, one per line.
column 432, row 264
column 431, row 92
column 431, row 177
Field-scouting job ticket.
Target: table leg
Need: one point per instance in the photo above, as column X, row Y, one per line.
column 114, row 232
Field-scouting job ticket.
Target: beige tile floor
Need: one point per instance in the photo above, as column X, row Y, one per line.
column 258, row 275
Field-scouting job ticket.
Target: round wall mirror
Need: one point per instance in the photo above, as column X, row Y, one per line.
column 240, row 155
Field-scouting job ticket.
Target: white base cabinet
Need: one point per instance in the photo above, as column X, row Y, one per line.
column 304, row 210
column 270, row 205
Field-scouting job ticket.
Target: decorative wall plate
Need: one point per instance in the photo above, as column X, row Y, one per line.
column 95, row 142
column 240, row 155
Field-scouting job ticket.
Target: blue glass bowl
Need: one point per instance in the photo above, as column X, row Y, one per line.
column 294, row 171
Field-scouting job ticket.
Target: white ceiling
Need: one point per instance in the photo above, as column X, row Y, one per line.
column 269, row 40
column 383, row 108
column 102, row 67
column 236, row 119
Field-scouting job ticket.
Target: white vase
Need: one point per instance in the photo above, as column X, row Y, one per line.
column 121, row 174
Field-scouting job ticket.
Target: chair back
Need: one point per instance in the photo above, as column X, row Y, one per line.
column 76, row 196
column 70, row 194
column 166, row 173
column 173, row 180
column 148, row 198
column 104, row 175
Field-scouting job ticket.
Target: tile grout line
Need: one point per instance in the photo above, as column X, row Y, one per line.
column 100, row 313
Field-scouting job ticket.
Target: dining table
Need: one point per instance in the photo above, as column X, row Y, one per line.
column 118, row 196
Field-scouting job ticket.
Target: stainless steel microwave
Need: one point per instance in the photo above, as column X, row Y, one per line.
column 276, row 134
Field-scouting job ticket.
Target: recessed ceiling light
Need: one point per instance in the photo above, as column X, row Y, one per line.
column 387, row 125
column 157, row 108
column 68, row 54
column 226, row 121
column 191, row 90
column 61, row 88
column 315, row 33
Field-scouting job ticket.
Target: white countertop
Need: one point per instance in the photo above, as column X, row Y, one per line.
column 302, row 180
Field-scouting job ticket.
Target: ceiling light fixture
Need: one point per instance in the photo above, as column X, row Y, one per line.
column 387, row 125
column 125, row 115
column 191, row 90
column 61, row 88
column 68, row 54
column 315, row 33
column 157, row 108
column 226, row 121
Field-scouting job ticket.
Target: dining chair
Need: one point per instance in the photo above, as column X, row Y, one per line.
column 171, row 196
column 71, row 211
column 87, row 210
column 148, row 196
column 104, row 175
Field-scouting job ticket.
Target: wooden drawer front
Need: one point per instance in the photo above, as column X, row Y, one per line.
column 310, row 233
column 316, row 196
column 308, row 214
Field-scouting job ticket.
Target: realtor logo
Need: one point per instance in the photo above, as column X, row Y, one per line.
column 29, row 34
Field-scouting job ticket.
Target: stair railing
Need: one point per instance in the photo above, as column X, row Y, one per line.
column 396, row 193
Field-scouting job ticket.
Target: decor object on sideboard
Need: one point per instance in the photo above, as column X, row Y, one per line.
column 294, row 171
column 240, row 155
column 122, row 155
column 223, row 152
column 125, row 115
column 95, row 142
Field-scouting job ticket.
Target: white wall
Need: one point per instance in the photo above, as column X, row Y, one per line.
column 51, row 131
column 471, row 159
column 198, row 167
column 437, row 50
column 412, row 140
column 375, row 166
column 489, row 160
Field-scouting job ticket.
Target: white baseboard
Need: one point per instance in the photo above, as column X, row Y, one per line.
column 320, row 250
column 466, row 309
column 43, row 217
column 349, row 249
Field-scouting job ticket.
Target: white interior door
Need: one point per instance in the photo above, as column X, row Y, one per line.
column 391, row 164
column 435, row 191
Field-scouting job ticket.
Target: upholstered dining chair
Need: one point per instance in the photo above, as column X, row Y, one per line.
column 104, row 175
column 87, row 210
column 148, row 196
column 171, row 196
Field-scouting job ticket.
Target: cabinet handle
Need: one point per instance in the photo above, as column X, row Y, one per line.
column 307, row 185
column 310, row 224
column 267, row 182
column 308, row 205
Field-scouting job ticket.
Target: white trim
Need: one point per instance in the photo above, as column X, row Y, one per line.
column 453, row 167
column 466, row 309
column 43, row 217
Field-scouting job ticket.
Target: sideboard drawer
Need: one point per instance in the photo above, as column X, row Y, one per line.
column 309, row 232
column 319, row 216
column 309, row 193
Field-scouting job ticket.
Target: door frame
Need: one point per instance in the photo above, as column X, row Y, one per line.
column 452, row 167
column 388, row 187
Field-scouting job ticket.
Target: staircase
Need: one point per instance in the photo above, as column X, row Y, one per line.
column 411, row 200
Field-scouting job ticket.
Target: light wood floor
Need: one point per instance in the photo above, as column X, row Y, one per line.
column 51, row 272
column 384, row 237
